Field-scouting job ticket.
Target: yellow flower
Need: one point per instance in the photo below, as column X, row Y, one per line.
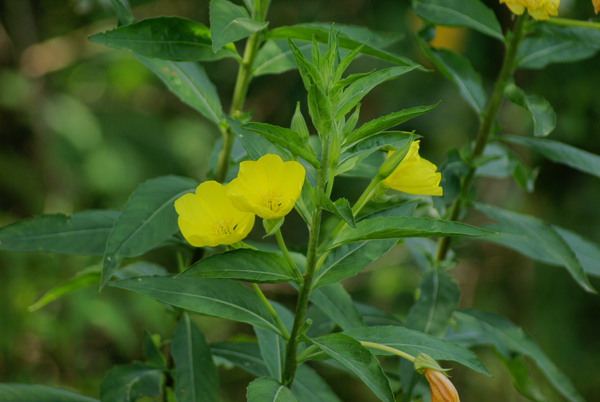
column 208, row 217
column 596, row 4
column 268, row 187
column 538, row 9
column 442, row 389
column 415, row 175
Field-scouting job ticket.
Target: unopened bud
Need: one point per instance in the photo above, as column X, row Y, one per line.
column 393, row 160
column 442, row 389
column 299, row 124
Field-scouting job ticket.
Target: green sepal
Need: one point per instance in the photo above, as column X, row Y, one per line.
column 272, row 226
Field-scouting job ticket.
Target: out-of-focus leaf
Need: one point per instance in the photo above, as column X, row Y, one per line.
column 152, row 352
column 275, row 56
column 230, row 23
column 39, row 393
column 372, row 316
column 167, row 38
column 460, row 13
column 334, row 301
column 267, row 389
column 123, row 10
column 214, row 297
column 83, row 232
column 544, row 118
column 272, row 346
column 148, row 219
column 359, row 360
column 196, row 377
column 475, row 328
column 131, row 382
column 522, row 381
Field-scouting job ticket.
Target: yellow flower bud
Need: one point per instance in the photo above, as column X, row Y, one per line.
column 442, row 389
column 208, row 217
column 415, row 175
column 268, row 187
column 596, row 4
column 538, row 9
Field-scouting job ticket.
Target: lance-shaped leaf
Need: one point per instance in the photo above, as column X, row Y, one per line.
column 415, row 342
column 230, row 23
column 361, row 87
column 152, row 352
column 131, row 382
column 276, row 56
column 334, row 301
column 148, row 219
column 190, row 83
column 123, row 10
column 544, row 118
column 475, row 328
column 459, row 70
column 320, row 110
column 256, row 145
column 350, row 38
column 285, row 138
column 81, row 233
column 196, row 377
column 341, row 208
column 167, row 38
column 399, row 227
column 272, row 346
column 521, row 379
column 244, row 265
column 357, row 359
column 214, row 297
column 460, row 13
column 267, row 389
column 373, row 316
column 561, row 153
column 39, row 393
column 543, row 236
column 383, row 123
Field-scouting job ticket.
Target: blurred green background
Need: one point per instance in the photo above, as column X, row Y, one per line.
column 81, row 126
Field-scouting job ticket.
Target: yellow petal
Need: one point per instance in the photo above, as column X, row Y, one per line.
column 596, row 4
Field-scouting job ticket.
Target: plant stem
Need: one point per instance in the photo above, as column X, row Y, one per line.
column 487, row 123
column 286, row 254
column 291, row 364
column 573, row 23
column 388, row 349
column 262, row 298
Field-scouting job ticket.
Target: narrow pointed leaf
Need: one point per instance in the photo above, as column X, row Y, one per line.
column 275, row 56
column 123, row 10
column 372, row 316
column 196, row 377
column 148, row 219
column 245, row 355
column 167, row 38
column 544, row 118
column 256, row 145
column 267, row 389
column 309, row 387
column 334, row 301
column 39, row 393
column 81, row 233
column 131, row 382
column 361, row 87
column 214, row 297
column 399, row 227
column 152, row 352
column 415, row 342
column 340, row 207
column 462, row 13
column 230, row 22
column 272, row 346
column 320, row 110
column 522, row 381
column 359, row 360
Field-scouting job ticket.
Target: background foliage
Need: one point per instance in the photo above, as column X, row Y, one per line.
column 82, row 125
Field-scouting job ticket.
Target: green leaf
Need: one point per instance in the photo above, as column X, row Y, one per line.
column 276, row 56
column 131, row 382
column 398, row 227
column 521, row 379
column 361, row 87
column 341, row 207
column 406, row 209
column 272, row 346
column 81, row 233
column 415, row 342
column 196, row 377
column 459, row 70
column 557, row 44
column 383, row 123
column 475, row 328
column 123, row 11
column 544, row 118
column 350, row 37
column 140, row 268
column 214, row 297
column 460, row 13
column 334, row 301
column 148, row 219
column 559, row 152
column 244, row 265
column 349, row 259
column 256, row 145
column 245, row 355
column 285, row 138
column 230, row 23
column 373, row 316
column 167, row 38
column 359, row 360
column 39, row 393
column 267, row 389
column 536, row 234
column 152, row 352
column 320, row 110
column 190, row 83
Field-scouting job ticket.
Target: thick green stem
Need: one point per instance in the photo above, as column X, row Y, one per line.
column 487, row 123
column 263, row 299
column 291, row 364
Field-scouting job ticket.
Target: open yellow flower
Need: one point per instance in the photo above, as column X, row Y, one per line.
column 208, row 217
column 415, row 175
column 538, row 9
column 268, row 187
column 441, row 387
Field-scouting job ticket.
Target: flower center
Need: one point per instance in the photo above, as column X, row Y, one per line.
column 224, row 228
column 273, row 201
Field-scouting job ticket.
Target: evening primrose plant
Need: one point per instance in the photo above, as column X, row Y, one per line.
column 285, row 171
